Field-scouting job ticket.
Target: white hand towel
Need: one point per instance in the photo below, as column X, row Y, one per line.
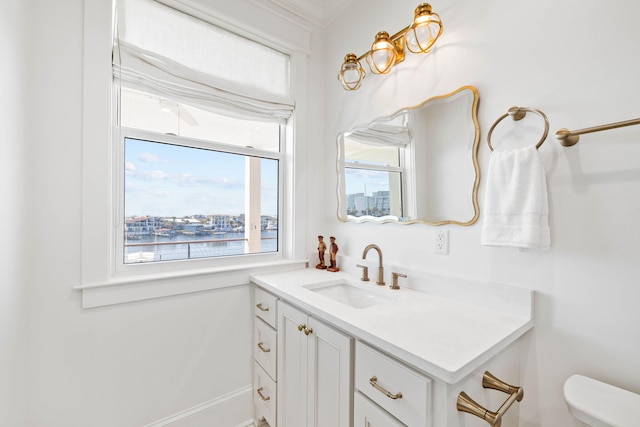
column 516, row 205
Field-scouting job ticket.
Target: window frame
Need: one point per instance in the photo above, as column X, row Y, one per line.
column 98, row 283
column 119, row 136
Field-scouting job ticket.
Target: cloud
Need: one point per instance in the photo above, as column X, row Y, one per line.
column 129, row 166
column 157, row 175
column 188, row 180
column 149, row 158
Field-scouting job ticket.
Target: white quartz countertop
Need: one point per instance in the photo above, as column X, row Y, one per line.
column 444, row 337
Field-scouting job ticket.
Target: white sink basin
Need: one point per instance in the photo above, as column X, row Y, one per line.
column 356, row 296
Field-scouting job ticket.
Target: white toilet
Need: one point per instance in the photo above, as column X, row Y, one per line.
column 597, row 404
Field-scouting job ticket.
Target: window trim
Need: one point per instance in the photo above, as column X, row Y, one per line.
column 98, row 283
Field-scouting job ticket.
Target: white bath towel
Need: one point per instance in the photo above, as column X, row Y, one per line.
column 516, row 205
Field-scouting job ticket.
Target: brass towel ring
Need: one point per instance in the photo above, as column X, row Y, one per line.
column 517, row 113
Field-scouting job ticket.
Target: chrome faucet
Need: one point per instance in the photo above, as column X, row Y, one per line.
column 380, row 281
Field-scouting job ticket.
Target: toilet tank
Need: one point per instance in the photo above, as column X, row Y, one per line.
column 599, row 404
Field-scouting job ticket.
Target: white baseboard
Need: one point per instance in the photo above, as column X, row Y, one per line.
column 231, row 410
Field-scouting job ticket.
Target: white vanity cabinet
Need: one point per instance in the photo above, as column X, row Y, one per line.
column 265, row 356
column 404, row 363
column 314, row 372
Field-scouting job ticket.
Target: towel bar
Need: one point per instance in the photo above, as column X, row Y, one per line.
column 518, row 113
column 567, row 137
column 466, row 404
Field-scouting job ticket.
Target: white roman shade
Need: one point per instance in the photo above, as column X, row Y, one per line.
column 383, row 135
column 171, row 54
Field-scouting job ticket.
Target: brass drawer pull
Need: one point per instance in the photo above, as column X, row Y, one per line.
column 262, row 396
column 374, row 382
column 308, row 331
column 263, row 348
column 261, row 307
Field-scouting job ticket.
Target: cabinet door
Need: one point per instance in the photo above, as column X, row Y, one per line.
column 329, row 367
column 368, row 414
column 292, row 366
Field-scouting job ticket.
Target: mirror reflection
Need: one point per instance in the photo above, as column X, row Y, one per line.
column 418, row 165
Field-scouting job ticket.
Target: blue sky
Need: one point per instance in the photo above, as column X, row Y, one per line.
column 357, row 180
column 170, row 180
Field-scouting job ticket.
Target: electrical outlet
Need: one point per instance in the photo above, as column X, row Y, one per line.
column 441, row 242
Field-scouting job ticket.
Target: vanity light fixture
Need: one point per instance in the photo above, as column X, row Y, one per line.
column 387, row 51
column 351, row 72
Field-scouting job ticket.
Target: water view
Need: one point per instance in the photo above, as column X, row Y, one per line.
column 178, row 246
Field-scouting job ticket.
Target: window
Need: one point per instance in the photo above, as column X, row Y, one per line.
column 201, row 116
column 105, row 278
column 374, row 173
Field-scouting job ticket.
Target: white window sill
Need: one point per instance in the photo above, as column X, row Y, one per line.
column 139, row 288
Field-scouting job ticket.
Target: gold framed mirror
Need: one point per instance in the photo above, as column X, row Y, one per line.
column 417, row 165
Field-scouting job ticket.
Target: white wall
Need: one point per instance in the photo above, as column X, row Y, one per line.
column 124, row 365
column 13, row 214
column 132, row 364
column 577, row 62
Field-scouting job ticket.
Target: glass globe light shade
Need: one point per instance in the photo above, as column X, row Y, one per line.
column 351, row 72
column 424, row 31
column 383, row 54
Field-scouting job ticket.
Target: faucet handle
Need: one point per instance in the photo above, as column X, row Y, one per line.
column 395, row 280
column 365, row 272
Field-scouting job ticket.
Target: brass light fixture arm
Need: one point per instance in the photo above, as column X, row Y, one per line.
column 568, row 138
column 466, row 404
column 351, row 72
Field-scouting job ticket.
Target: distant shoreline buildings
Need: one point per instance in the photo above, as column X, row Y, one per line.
column 358, row 204
column 147, row 225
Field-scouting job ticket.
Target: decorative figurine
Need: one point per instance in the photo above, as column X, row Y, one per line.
column 333, row 248
column 322, row 247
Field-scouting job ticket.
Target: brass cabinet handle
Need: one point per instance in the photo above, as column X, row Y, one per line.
column 467, row 404
column 262, row 396
column 261, row 307
column 308, row 331
column 262, row 347
column 301, row 327
column 374, row 382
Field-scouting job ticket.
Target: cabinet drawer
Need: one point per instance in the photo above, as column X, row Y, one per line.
column 265, row 350
column 264, row 395
column 265, row 306
column 381, row 379
column 368, row 414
